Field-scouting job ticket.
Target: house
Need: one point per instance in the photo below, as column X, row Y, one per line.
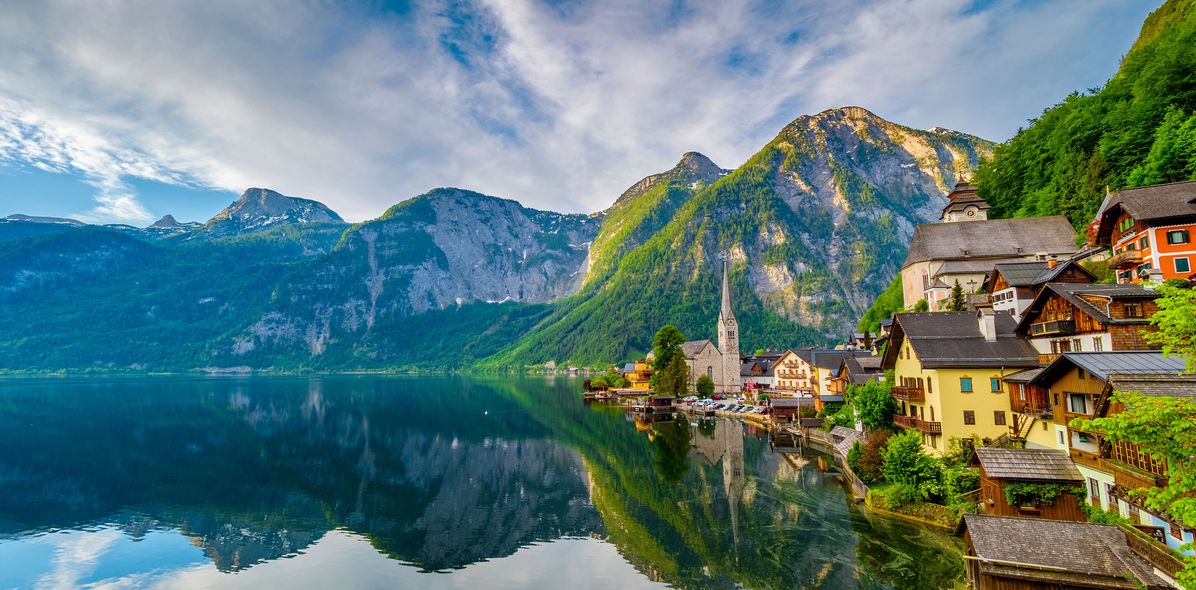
column 1002, row 552
column 1011, row 286
column 826, row 365
column 1032, row 411
column 1003, row 472
column 1070, row 317
column 720, row 363
column 1149, row 231
column 639, row 374
column 963, row 250
column 1079, row 385
column 786, row 410
column 793, row 372
column 948, row 368
column 853, row 370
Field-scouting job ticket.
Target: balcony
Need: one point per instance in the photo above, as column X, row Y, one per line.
column 909, row 394
column 1038, row 408
column 917, row 424
column 1125, row 259
column 1053, row 328
column 1046, row 359
column 1086, row 458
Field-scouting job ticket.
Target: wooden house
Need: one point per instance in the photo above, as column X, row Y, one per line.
column 1005, row 553
column 786, row 410
column 1080, row 385
column 1149, row 231
column 1005, row 472
column 1012, row 286
column 1070, row 317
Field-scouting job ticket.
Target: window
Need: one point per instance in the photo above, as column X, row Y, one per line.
column 965, row 384
column 1077, row 403
column 1176, row 530
column 969, row 417
column 999, row 417
column 1098, row 344
column 1081, row 373
column 1112, row 498
column 929, row 387
column 995, row 384
column 1133, row 310
column 1181, row 265
column 710, row 372
column 1061, row 441
column 1178, row 236
column 1144, row 243
column 1077, row 345
column 1094, row 489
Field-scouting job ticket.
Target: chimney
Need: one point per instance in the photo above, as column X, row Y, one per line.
column 988, row 324
column 1052, row 262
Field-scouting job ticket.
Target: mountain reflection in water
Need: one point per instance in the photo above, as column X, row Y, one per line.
column 418, row 482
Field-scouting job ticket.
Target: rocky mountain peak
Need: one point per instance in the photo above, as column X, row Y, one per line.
column 693, row 168
column 259, row 208
column 166, row 222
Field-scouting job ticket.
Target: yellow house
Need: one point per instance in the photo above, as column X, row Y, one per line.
column 948, row 369
column 639, row 377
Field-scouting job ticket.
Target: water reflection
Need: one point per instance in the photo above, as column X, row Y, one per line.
column 161, row 477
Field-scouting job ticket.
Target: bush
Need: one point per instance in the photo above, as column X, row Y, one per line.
column 870, row 461
column 905, row 463
column 705, row 386
column 1101, row 516
column 872, row 403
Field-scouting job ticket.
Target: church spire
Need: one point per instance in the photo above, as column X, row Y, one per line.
column 725, row 313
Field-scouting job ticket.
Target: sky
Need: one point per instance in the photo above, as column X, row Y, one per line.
column 120, row 112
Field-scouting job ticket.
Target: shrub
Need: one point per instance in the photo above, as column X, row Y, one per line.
column 905, row 463
column 870, row 462
column 705, row 386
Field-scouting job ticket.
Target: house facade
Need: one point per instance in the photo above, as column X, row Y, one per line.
column 948, row 369
column 1149, row 231
column 1001, row 469
column 793, row 373
column 1080, row 385
column 1068, row 317
column 1012, row 286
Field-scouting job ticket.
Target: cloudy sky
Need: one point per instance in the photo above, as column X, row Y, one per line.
column 125, row 110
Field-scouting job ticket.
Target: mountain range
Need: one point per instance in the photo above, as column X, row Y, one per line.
column 813, row 224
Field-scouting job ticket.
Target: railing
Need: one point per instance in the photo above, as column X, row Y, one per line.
column 1086, row 458
column 1127, row 258
column 1133, row 478
column 1039, row 408
column 909, row 394
column 1053, row 328
column 1047, row 358
column 1156, row 553
column 917, row 424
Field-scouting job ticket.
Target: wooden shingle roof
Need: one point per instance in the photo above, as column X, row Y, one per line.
column 1028, row 464
column 994, row 238
column 1058, row 551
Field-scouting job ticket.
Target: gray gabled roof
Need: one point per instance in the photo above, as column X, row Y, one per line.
column 1020, row 274
column 947, row 339
column 846, row 437
column 1060, row 551
column 1161, row 201
column 693, row 347
column 1022, row 376
column 1028, row 464
column 994, row 238
column 831, row 359
column 1103, row 364
column 1160, row 385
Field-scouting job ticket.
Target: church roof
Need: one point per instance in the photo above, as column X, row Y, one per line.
column 725, row 312
column 994, row 238
column 693, row 347
column 963, row 196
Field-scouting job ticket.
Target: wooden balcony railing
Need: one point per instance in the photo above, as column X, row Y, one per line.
column 918, row 424
column 1086, row 458
column 1038, row 408
column 909, row 394
column 1053, row 328
column 1125, row 259
column 1046, row 359
column 1151, row 550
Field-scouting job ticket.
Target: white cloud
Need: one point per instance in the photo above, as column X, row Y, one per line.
column 559, row 106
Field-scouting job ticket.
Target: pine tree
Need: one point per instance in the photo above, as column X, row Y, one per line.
column 957, row 302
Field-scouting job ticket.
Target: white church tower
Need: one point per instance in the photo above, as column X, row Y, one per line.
column 728, row 341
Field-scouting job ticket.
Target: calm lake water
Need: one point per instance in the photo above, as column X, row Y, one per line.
column 369, row 482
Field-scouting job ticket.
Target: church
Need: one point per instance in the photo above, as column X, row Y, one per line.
column 720, row 362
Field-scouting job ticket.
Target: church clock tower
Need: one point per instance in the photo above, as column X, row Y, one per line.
column 728, row 340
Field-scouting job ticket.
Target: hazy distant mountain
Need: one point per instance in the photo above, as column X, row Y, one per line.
column 260, row 208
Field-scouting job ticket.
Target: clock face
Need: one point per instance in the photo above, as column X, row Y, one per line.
column 971, row 213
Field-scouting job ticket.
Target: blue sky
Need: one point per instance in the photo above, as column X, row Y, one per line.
column 122, row 112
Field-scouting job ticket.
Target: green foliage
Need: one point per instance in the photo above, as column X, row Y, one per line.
column 889, row 302
column 834, row 414
column 705, row 386
column 1137, row 129
column 906, row 463
column 1176, row 323
column 872, row 403
column 599, row 383
column 665, row 345
column 868, row 462
column 921, row 305
column 1039, row 494
column 1101, row 516
column 957, row 301
column 674, row 379
column 1100, row 269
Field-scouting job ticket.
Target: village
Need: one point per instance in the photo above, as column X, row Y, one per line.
column 1017, row 334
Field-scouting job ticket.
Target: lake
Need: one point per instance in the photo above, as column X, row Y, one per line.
column 419, row 482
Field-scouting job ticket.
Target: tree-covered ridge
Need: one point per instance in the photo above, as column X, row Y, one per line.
column 1138, row 129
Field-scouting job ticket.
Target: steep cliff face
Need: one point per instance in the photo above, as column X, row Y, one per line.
column 441, row 250
column 814, row 224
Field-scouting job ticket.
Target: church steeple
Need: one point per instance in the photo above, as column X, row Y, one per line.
column 725, row 312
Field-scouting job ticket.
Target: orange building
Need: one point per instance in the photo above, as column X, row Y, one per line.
column 1149, row 231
